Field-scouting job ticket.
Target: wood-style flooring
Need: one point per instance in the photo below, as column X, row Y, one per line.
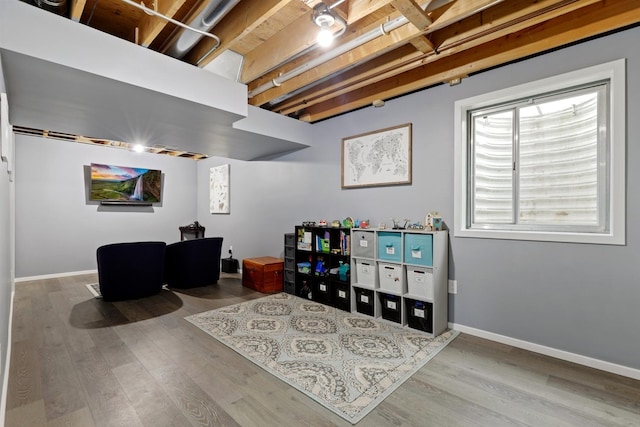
column 79, row 361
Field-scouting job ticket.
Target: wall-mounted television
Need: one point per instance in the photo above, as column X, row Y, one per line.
column 125, row 185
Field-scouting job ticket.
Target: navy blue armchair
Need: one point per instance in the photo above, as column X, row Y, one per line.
column 130, row 270
column 193, row 263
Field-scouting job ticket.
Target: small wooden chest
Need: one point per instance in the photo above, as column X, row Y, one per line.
column 263, row 274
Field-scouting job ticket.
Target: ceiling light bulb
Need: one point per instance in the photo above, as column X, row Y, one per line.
column 138, row 148
column 325, row 37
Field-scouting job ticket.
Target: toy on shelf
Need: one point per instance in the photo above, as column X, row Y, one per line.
column 397, row 226
column 320, row 268
column 433, row 221
column 304, row 267
column 343, row 271
column 361, row 223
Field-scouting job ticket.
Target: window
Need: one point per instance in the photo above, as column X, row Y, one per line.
column 545, row 160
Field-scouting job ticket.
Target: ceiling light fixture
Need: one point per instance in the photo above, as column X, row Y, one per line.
column 324, row 18
column 138, row 148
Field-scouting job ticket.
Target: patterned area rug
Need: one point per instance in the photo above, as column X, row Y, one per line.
column 94, row 288
column 347, row 362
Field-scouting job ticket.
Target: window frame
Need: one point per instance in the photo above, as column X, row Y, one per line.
column 614, row 234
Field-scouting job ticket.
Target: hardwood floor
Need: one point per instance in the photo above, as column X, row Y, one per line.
column 78, row 361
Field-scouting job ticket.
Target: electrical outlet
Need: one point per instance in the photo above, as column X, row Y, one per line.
column 453, row 286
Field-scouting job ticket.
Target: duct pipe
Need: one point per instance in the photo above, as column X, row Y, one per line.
column 204, row 21
column 59, row 7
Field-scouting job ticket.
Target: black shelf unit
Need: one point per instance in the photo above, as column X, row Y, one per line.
column 322, row 263
column 290, row 263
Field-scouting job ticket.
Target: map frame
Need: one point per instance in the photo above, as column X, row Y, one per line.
column 358, row 173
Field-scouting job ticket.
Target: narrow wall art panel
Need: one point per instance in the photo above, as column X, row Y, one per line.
column 219, row 189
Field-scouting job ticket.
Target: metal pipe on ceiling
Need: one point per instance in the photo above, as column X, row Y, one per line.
column 204, row 21
column 352, row 44
column 173, row 21
column 334, row 53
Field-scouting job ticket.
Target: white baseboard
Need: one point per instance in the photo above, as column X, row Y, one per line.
column 55, row 275
column 549, row 351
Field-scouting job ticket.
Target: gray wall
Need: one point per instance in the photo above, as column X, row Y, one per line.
column 6, row 264
column 58, row 229
column 6, row 258
column 578, row 298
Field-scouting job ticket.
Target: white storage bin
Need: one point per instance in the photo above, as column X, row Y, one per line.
column 392, row 277
column 365, row 272
column 420, row 282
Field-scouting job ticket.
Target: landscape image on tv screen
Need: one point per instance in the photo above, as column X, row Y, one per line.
column 111, row 183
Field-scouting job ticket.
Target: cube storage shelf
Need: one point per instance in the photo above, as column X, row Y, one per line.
column 401, row 276
column 290, row 263
column 322, row 265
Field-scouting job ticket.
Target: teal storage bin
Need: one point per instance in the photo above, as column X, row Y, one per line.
column 418, row 249
column 390, row 246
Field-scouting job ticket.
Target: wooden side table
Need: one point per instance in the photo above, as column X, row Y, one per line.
column 263, row 274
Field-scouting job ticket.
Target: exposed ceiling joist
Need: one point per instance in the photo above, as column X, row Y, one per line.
column 389, row 48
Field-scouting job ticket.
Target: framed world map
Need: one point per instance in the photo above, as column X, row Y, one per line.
column 381, row 157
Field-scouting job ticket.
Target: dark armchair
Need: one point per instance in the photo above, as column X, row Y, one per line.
column 130, row 270
column 192, row 263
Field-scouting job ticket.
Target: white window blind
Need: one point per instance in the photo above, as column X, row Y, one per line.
column 537, row 162
column 541, row 161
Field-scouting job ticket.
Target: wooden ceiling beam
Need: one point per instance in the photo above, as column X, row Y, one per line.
column 585, row 22
column 458, row 10
column 525, row 13
column 358, row 9
column 373, row 21
column 413, row 12
column 423, row 44
column 301, row 35
column 150, row 26
column 77, row 7
column 354, row 78
column 240, row 21
column 290, row 41
column 502, row 20
column 367, row 51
